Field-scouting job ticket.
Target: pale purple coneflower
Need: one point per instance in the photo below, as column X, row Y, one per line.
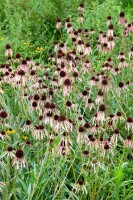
column 128, row 142
column 81, row 135
column 122, row 19
column 10, row 152
column 118, row 117
column 19, row 159
column 81, row 8
column 104, row 39
column 87, row 49
column 121, row 55
column 131, row 53
column 20, row 76
column 109, row 18
column 114, row 138
column 27, row 126
column 105, row 84
column 80, row 187
column 96, row 164
column 66, row 22
column 115, row 71
column 129, row 124
column 110, row 32
column 56, row 46
column 111, row 43
column 8, row 51
column 90, row 104
column 39, row 133
column 58, row 23
column 81, row 18
column 92, row 142
column 107, row 150
column 70, row 29
column 122, row 63
column 80, row 46
column 101, row 114
column 67, row 87
column 99, row 99
column 105, row 48
column 48, row 119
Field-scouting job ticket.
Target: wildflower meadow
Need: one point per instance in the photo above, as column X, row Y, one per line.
column 66, row 100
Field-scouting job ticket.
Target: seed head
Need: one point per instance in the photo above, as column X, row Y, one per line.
column 19, row 154
column 68, row 104
column 102, row 108
column 3, row 114
column 62, row 118
column 21, row 72
column 34, row 104
column 81, row 129
column 109, row 18
column 67, row 82
column 28, row 122
column 121, row 84
column 9, row 149
column 24, row 62
column 122, row 14
column 111, row 27
column 81, row 182
column 36, row 97
column 129, row 120
column 8, row 46
column 106, row 147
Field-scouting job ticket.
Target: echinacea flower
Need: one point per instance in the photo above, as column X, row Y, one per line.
column 128, row 142
column 106, row 150
column 19, row 159
column 10, row 152
column 81, row 135
column 39, row 133
column 58, row 23
column 129, row 124
column 110, row 32
column 131, row 53
column 80, row 187
column 8, row 51
column 81, row 8
column 116, row 135
column 3, row 135
column 109, row 18
column 95, row 164
column 101, row 114
column 67, row 87
column 122, row 19
column 99, row 99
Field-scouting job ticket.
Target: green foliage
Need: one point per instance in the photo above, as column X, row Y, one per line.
column 27, row 25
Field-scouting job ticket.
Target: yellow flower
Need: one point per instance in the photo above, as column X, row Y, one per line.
column 25, row 43
column 25, row 137
column 8, row 132
column 11, row 132
column 39, row 49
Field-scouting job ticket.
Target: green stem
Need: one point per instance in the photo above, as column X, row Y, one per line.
column 14, row 183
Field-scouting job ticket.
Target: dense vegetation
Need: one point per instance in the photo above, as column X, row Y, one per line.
column 29, row 26
column 66, row 95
